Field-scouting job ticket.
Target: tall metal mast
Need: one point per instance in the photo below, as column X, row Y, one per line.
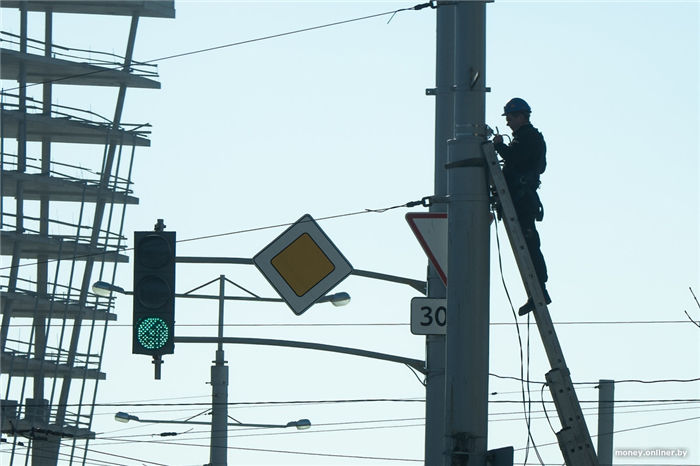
column 467, row 363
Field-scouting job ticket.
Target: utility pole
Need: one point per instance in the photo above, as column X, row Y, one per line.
column 606, row 413
column 444, row 131
column 467, row 339
column 219, row 393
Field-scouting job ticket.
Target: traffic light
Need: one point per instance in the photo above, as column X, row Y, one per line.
column 154, row 293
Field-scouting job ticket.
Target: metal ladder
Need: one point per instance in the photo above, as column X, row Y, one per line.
column 574, row 439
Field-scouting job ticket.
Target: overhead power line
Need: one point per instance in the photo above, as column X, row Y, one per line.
column 388, row 324
column 236, row 232
column 648, row 426
column 235, row 44
column 332, row 455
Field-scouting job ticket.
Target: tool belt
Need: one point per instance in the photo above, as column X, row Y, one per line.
column 524, row 192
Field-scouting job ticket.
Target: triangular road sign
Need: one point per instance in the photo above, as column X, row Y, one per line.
column 431, row 231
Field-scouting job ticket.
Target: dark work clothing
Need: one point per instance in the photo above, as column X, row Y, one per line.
column 524, row 161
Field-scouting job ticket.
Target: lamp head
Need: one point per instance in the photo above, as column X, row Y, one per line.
column 124, row 417
column 105, row 289
column 340, row 299
column 301, row 424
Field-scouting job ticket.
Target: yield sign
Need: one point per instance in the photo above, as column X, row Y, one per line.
column 431, row 231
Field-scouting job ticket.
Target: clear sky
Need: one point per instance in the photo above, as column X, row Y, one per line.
column 335, row 121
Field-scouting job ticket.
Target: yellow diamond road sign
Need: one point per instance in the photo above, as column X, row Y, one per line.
column 302, row 264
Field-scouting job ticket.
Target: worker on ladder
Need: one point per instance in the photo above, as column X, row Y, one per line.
column 524, row 161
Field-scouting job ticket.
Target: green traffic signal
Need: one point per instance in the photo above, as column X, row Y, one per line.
column 152, row 333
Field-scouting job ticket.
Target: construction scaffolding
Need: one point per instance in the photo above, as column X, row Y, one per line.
column 62, row 213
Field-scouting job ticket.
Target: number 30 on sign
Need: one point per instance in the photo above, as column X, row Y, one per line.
column 428, row 316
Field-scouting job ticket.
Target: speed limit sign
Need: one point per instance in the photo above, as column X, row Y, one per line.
column 428, row 316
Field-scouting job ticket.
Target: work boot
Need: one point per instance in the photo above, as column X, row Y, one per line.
column 529, row 306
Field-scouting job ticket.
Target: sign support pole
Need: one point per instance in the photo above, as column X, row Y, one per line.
column 444, row 131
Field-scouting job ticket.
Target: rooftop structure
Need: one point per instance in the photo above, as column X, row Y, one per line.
column 66, row 183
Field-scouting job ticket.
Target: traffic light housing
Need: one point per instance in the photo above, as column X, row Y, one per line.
column 154, row 293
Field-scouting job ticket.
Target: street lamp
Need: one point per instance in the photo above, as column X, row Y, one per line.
column 121, row 416
column 105, row 289
column 337, row 299
column 301, row 424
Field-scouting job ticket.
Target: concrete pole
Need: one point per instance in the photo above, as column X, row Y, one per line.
column 606, row 411
column 467, row 363
column 444, row 131
column 219, row 393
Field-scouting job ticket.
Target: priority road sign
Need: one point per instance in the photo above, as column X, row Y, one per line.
column 302, row 264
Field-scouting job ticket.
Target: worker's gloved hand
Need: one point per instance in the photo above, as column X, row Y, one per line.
column 497, row 139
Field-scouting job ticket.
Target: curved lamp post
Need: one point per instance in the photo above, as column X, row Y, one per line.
column 105, row 290
column 301, row 424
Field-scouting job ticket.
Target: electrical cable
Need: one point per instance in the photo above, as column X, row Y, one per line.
column 522, row 379
column 260, row 433
column 403, row 459
column 422, row 382
column 526, row 412
column 529, row 396
column 171, row 443
column 330, row 217
column 544, row 409
column 388, row 324
column 697, row 324
column 233, row 44
column 210, row 49
column 648, row 426
column 361, row 428
column 219, row 235
column 109, row 437
column 264, row 404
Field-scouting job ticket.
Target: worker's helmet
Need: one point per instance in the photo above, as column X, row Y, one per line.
column 516, row 105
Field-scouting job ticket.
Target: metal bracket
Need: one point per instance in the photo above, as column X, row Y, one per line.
column 431, row 4
column 471, row 130
column 449, row 90
column 456, row 88
column 157, row 362
column 438, row 90
column 427, row 201
column 438, row 200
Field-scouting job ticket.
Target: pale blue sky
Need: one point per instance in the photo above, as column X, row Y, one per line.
column 336, row 121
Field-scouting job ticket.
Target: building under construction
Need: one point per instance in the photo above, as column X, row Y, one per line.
column 66, row 184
